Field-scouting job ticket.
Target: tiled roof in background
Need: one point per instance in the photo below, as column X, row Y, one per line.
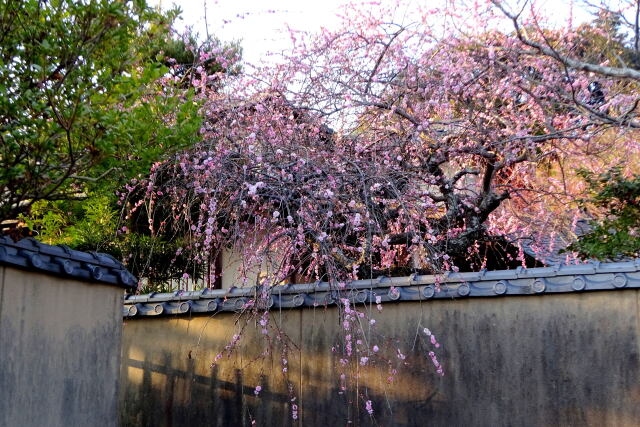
column 62, row 261
column 591, row 276
column 550, row 246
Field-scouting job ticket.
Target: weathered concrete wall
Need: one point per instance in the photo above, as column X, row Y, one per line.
column 59, row 350
column 562, row 359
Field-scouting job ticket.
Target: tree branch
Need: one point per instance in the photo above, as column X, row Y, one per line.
column 621, row 73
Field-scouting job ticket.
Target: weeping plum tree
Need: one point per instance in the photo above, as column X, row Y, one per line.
column 387, row 147
column 443, row 145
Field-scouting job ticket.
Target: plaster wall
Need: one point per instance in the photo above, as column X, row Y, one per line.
column 562, row 359
column 234, row 270
column 59, row 350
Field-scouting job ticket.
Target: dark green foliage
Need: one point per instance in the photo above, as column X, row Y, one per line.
column 617, row 232
column 86, row 105
column 74, row 85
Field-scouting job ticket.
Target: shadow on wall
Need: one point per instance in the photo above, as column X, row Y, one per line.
column 564, row 359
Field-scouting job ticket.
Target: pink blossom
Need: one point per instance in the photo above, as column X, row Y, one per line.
column 369, row 407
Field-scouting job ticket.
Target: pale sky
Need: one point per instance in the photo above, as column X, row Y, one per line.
column 261, row 25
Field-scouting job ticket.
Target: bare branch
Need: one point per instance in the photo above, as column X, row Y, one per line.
column 621, row 73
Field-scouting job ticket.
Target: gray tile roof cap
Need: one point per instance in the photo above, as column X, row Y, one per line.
column 60, row 260
column 591, row 276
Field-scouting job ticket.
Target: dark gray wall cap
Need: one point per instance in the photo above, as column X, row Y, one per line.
column 30, row 254
column 596, row 276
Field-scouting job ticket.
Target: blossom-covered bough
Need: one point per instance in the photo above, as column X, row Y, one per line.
column 393, row 147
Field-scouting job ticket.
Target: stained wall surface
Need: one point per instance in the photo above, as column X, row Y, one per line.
column 562, row 359
column 59, row 350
